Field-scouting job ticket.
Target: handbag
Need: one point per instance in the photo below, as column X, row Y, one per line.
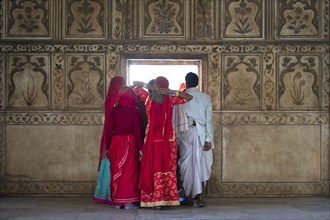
column 102, row 191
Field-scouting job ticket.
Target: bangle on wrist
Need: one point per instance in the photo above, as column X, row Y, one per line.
column 177, row 93
column 145, row 85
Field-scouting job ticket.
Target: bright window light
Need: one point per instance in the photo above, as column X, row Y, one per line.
column 175, row 73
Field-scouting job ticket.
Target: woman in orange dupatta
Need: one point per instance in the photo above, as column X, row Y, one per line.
column 158, row 180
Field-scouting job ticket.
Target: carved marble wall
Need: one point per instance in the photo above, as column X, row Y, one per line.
column 265, row 64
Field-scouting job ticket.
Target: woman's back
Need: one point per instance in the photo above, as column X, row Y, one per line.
column 125, row 120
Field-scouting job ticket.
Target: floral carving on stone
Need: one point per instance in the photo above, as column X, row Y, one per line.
column 122, row 16
column 213, row 79
column 28, row 81
column 58, row 118
column 2, row 84
column 28, row 18
column 48, row 187
column 326, row 80
column 85, row 18
column 299, row 18
column 204, row 19
column 269, row 81
column 58, row 80
column 164, row 17
column 299, row 82
column 241, row 88
column 85, row 81
column 243, row 18
column 1, row 19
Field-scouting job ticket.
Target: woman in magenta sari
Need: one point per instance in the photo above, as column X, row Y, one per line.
column 116, row 84
column 125, row 142
column 158, row 180
column 101, row 194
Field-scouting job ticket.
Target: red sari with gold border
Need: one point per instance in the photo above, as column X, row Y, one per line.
column 158, row 180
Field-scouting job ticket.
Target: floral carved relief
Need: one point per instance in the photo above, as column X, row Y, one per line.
column 2, row 83
column 241, row 88
column 113, row 58
column 269, row 81
column 299, row 82
column 283, row 118
column 85, row 18
column 299, row 18
column 60, row 118
column 270, row 189
column 214, row 80
column 204, row 18
column 326, row 81
column 326, row 17
column 1, row 19
column 58, row 81
column 85, row 81
column 123, row 22
column 28, row 18
column 31, row 187
column 164, row 17
column 243, row 18
column 28, row 81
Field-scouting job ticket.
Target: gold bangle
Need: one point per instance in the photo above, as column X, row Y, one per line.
column 177, row 93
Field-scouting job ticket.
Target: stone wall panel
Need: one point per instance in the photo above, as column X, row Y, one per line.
column 28, row 80
column 28, row 19
column 265, row 65
column 164, row 18
column 241, row 82
column 85, row 80
column 2, row 82
column 123, row 19
column 85, row 19
column 204, row 15
column 64, row 153
column 299, row 19
column 243, row 19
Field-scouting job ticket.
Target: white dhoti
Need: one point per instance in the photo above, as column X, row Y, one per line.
column 195, row 163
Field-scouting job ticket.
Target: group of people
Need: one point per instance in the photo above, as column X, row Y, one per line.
column 149, row 132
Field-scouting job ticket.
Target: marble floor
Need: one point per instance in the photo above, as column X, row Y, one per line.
column 83, row 208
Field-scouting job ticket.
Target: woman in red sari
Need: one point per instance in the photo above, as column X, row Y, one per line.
column 158, row 180
column 125, row 137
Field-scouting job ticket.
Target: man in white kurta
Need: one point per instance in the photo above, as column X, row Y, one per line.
column 197, row 143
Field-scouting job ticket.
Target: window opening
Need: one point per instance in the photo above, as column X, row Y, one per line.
column 174, row 70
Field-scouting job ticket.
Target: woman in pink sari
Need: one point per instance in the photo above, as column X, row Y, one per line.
column 158, row 180
column 125, row 142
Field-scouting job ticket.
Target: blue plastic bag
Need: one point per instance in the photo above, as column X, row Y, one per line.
column 102, row 191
